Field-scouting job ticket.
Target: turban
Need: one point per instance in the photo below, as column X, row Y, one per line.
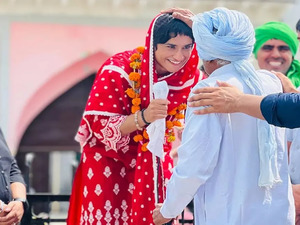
column 223, row 34
column 229, row 35
column 280, row 31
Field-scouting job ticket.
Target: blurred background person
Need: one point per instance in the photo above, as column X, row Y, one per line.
column 275, row 49
column 13, row 191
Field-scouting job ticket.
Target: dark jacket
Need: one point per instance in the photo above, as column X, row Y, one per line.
column 282, row 109
column 9, row 171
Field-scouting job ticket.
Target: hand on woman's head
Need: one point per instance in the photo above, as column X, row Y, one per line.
column 182, row 14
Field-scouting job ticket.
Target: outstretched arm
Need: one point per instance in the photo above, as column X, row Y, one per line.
column 281, row 109
column 225, row 99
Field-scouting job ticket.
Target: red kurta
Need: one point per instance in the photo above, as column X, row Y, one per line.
column 114, row 183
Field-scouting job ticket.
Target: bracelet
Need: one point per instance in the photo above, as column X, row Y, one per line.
column 143, row 117
column 136, row 120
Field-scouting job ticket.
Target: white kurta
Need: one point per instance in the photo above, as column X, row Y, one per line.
column 293, row 136
column 219, row 162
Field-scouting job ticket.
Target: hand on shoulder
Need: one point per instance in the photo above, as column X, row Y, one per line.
column 287, row 85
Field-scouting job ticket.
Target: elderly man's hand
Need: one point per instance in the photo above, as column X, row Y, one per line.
column 158, row 219
column 12, row 213
column 222, row 99
column 182, row 14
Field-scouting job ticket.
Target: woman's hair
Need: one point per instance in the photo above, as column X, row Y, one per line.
column 167, row 27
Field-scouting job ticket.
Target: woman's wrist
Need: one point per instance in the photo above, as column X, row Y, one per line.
column 136, row 120
column 143, row 118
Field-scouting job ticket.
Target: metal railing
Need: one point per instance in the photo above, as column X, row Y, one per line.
column 30, row 218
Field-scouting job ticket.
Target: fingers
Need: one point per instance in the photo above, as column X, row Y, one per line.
column 204, row 111
column 200, row 102
column 200, row 96
column 170, row 10
column 287, row 85
column 161, row 101
column 278, row 74
column 281, row 76
column 176, row 9
column 9, row 219
column 186, row 19
column 157, row 109
column 223, row 84
column 206, row 90
column 182, row 14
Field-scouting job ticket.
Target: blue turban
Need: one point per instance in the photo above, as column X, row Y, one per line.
column 229, row 35
column 223, row 34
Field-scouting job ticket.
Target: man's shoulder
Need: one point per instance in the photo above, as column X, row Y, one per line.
column 269, row 81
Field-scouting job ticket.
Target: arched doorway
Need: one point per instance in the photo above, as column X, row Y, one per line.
column 47, row 152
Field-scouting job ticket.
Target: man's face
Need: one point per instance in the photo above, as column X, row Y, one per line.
column 173, row 55
column 298, row 32
column 209, row 66
column 275, row 55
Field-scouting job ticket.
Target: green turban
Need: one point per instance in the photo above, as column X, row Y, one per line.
column 280, row 31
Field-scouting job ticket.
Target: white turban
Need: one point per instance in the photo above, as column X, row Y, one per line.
column 223, row 34
column 229, row 35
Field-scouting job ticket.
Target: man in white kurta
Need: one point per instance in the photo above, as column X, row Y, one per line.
column 221, row 159
column 293, row 138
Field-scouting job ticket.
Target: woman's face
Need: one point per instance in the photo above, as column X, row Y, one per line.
column 173, row 55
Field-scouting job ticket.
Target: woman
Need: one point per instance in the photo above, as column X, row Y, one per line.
column 114, row 180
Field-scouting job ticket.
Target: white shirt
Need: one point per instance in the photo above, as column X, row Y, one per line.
column 293, row 136
column 218, row 166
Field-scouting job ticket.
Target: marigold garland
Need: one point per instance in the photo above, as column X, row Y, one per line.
column 174, row 115
column 135, row 77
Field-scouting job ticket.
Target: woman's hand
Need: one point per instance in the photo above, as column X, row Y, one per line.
column 157, row 109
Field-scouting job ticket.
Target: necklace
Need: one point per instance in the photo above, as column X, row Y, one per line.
column 174, row 116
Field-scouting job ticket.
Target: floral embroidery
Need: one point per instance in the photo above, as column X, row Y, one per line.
column 111, row 134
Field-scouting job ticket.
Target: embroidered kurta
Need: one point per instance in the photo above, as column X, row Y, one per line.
column 114, row 182
column 221, row 168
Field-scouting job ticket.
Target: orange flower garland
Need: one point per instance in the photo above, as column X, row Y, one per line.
column 134, row 93
column 175, row 115
column 135, row 76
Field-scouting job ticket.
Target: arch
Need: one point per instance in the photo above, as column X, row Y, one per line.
column 57, row 85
